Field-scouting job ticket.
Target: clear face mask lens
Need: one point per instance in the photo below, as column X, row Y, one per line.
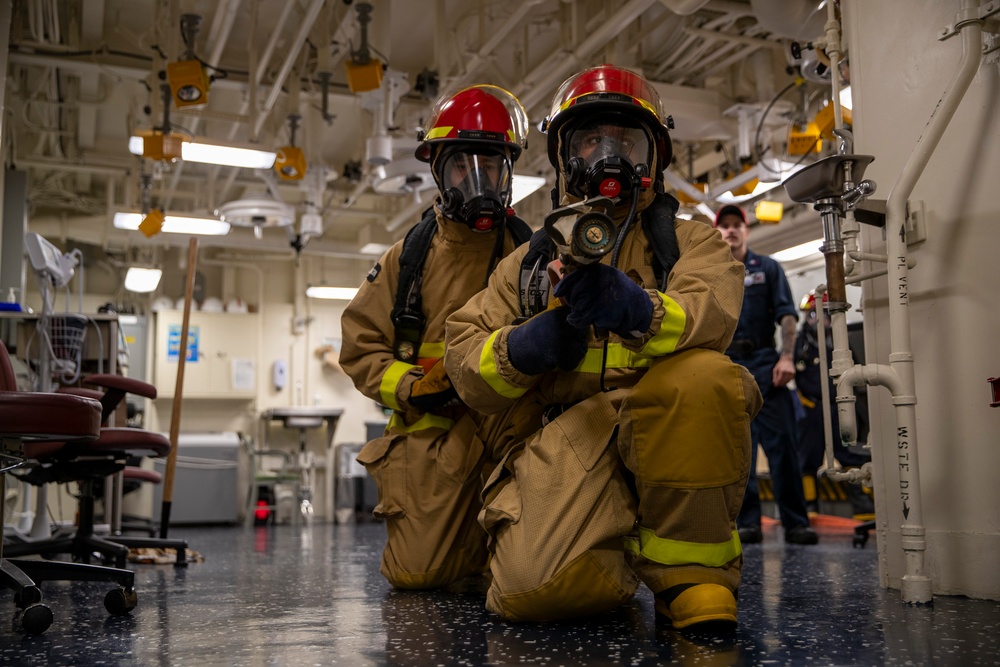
column 596, row 143
column 475, row 175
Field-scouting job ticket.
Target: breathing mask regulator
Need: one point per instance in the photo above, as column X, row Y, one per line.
column 475, row 187
column 606, row 163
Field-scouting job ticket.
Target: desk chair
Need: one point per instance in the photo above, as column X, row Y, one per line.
column 26, row 419
column 88, row 464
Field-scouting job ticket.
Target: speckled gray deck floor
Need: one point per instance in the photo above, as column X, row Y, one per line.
column 313, row 596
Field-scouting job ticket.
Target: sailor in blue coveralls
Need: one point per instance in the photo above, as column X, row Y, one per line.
column 767, row 301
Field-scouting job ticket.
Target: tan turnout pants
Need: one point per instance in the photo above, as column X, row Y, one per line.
column 429, row 486
column 558, row 510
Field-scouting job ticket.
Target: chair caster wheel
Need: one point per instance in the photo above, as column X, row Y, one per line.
column 119, row 602
column 859, row 541
column 33, row 619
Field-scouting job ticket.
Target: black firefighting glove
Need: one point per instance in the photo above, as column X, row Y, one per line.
column 606, row 298
column 546, row 342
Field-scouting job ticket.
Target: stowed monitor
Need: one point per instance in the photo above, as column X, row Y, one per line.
column 48, row 260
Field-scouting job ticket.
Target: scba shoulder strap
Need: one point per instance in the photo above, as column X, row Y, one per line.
column 657, row 224
column 408, row 317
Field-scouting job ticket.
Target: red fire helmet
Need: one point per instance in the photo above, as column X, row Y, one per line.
column 480, row 114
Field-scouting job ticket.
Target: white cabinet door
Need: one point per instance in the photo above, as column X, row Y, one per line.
column 221, row 357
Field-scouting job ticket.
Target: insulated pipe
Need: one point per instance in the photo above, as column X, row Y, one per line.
column 286, row 67
column 265, row 59
column 833, row 52
column 899, row 378
column 543, row 80
column 499, row 34
column 916, row 585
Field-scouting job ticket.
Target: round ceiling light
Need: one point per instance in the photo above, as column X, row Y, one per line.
column 256, row 212
column 403, row 176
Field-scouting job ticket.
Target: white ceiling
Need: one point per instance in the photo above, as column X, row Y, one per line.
column 80, row 72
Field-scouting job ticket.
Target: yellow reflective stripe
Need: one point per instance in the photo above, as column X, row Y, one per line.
column 488, row 371
column 431, row 350
column 671, row 329
column 427, row 421
column 438, row 132
column 390, row 380
column 618, row 357
column 675, row 552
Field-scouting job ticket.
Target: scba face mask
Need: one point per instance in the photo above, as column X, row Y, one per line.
column 475, row 187
column 607, row 157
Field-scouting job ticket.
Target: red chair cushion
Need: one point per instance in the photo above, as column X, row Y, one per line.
column 45, row 416
column 132, row 441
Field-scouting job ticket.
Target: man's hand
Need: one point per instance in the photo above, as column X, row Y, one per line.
column 606, row 298
column 783, row 371
column 433, row 390
column 546, row 342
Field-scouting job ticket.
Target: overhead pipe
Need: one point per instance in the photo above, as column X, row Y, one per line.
column 498, row 35
column 222, row 25
column 899, row 378
column 258, row 67
column 542, row 81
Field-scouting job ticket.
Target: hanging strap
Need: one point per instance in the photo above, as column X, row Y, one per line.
column 408, row 318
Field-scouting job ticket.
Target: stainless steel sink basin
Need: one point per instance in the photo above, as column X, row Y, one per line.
column 824, row 178
column 302, row 417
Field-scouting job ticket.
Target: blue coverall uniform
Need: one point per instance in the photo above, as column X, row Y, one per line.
column 766, row 299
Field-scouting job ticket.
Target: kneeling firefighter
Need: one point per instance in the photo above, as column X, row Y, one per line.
column 638, row 471
column 429, row 465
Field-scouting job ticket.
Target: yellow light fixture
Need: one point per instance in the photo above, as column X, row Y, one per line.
column 152, row 223
column 362, row 77
column 290, row 163
column 173, row 223
column 157, row 145
column 188, row 83
column 769, row 212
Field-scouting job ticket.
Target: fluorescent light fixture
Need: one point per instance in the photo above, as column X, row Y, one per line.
column 524, row 186
column 798, row 252
column 377, row 249
column 229, row 156
column 325, row 292
column 213, row 152
column 176, row 224
column 140, row 279
column 846, row 98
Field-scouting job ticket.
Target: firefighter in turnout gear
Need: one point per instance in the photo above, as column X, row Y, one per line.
column 430, row 464
column 638, row 470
